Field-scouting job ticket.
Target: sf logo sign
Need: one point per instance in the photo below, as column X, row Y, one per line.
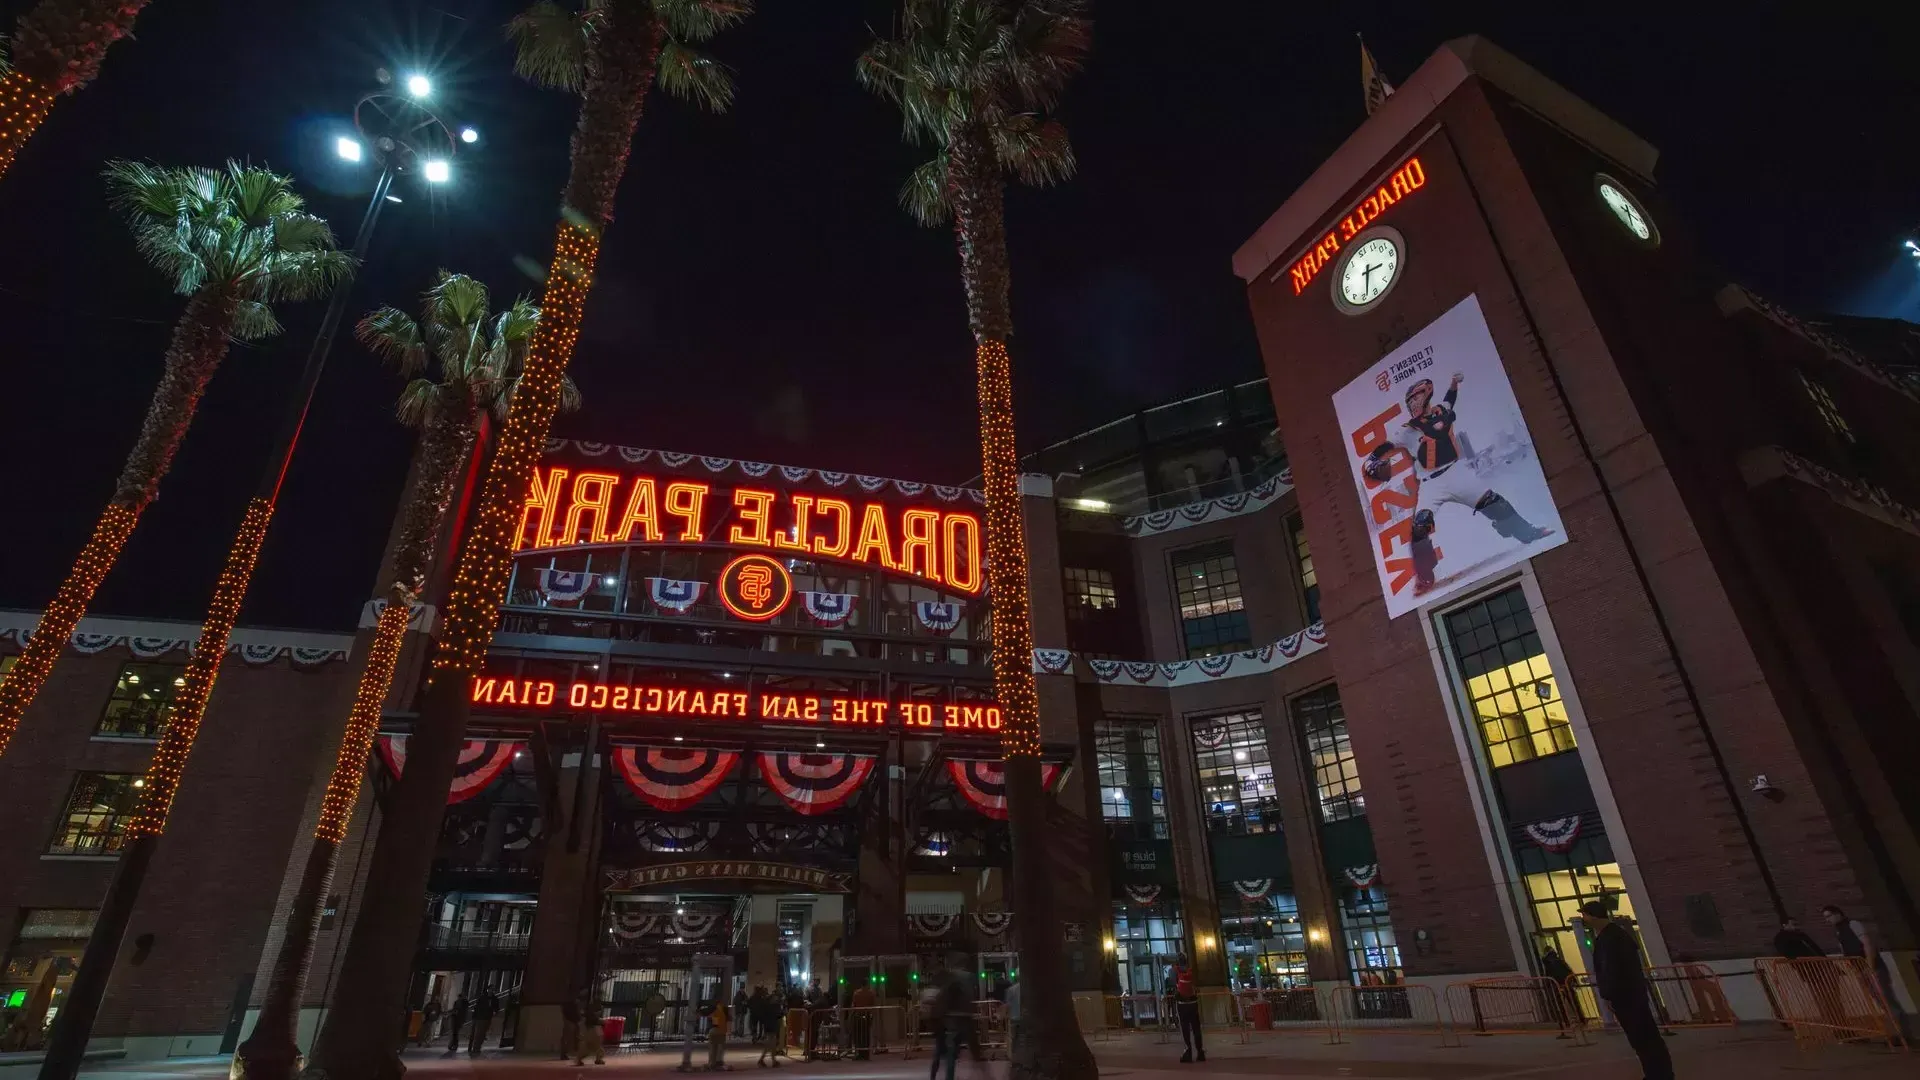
column 755, row 587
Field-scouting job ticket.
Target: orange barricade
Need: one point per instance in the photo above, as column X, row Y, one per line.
column 874, row 1029
column 1683, row 995
column 798, row 1034
column 1404, row 1009
column 1276, row 1010
column 1514, row 1005
column 1830, row 999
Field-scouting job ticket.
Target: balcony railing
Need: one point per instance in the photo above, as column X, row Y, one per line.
column 467, row 939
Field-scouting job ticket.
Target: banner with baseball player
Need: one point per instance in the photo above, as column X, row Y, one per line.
column 1448, row 478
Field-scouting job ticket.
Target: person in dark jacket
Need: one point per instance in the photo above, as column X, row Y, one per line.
column 1795, row 943
column 1554, row 967
column 1619, row 978
column 456, row 1019
column 483, row 1011
column 1186, row 1006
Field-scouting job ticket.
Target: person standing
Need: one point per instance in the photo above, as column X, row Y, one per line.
column 570, row 1025
column 1795, row 943
column 429, row 1020
column 592, row 1036
column 1553, row 967
column 1619, row 978
column 717, row 1022
column 456, row 1019
column 1856, row 942
column 859, row 1023
column 1186, row 1006
column 740, row 1011
column 1010, row 1001
column 483, row 1011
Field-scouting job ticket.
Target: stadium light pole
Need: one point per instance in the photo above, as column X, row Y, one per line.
column 403, row 136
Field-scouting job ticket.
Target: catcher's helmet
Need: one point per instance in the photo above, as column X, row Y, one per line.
column 1424, row 386
column 1377, row 469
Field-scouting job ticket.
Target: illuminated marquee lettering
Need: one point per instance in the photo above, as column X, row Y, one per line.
column 503, row 694
column 564, row 509
column 1405, row 180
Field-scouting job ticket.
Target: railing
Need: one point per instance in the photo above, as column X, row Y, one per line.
column 1683, row 995
column 1829, row 999
column 462, row 939
column 1514, row 1005
column 1405, row 1009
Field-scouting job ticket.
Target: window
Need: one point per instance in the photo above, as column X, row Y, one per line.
column 97, row 814
column 1146, row 940
column 1090, row 590
column 1557, row 884
column 1212, row 617
column 1824, row 404
column 1323, row 727
column 1236, row 774
column 1266, row 942
column 1511, row 689
column 1309, row 581
column 1132, row 797
column 142, row 701
column 1372, row 953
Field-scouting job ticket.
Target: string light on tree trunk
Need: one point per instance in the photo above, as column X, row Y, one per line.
column 473, row 602
column 24, row 103
column 343, row 787
column 190, row 704
column 63, row 615
column 1006, row 555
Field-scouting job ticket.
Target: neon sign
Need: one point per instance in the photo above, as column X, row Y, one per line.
column 568, row 509
column 755, row 587
column 767, row 707
column 1405, row 180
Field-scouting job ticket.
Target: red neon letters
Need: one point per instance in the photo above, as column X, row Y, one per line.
column 1405, row 180
column 766, row 708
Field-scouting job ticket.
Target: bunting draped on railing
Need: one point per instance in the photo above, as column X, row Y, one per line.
column 1556, row 834
column 694, row 925
column 936, row 845
column 564, row 586
column 829, row 608
column 1233, row 665
column 670, row 594
column 481, row 763
column 18, row 628
column 1143, row 894
column 984, row 783
column 1253, row 888
column 672, row 778
column 815, row 783
column 1240, row 502
column 794, row 474
column 993, row 923
column 941, row 618
column 1363, row 877
column 674, row 835
column 931, row 926
column 629, row 924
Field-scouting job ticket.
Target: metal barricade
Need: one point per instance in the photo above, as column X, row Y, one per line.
column 797, row 1033
column 1090, row 1012
column 1682, row 995
column 1831, row 999
column 1513, row 1005
column 990, row 1027
column 1401, row 1009
column 1141, row 1013
column 873, row 1029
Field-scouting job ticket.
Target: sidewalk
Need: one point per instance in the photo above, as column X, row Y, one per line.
column 1750, row 1053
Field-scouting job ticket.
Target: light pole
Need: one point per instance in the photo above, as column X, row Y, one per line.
column 403, row 135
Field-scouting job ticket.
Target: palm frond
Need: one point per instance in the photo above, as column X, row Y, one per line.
column 924, row 195
column 300, row 275
column 1039, row 153
column 693, row 76
column 294, row 230
column 551, row 43
column 392, row 335
column 252, row 320
column 700, row 20
column 419, row 403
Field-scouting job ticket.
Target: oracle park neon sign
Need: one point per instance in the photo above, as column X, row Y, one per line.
column 496, row 693
column 1405, row 180
column 568, row 508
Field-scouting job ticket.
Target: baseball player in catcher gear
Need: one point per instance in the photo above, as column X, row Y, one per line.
column 1430, row 437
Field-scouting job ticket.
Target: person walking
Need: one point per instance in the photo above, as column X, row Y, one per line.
column 570, row 1025
column 1554, row 967
column 456, row 1019
column 592, row 1036
column 429, row 1020
column 771, row 1019
column 1619, row 978
column 1856, row 942
column 717, row 1023
column 1186, row 1006
column 1795, row 943
column 483, row 1011
column 757, row 1013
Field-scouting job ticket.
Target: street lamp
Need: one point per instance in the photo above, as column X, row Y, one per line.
column 419, row 86
column 348, row 148
column 469, row 135
column 437, row 171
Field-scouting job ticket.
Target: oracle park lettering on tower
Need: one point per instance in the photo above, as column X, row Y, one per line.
column 1405, row 180
column 567, row 508
column 722, row 705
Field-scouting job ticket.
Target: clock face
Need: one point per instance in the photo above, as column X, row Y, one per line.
column 1624, row 208
column 1369, row 269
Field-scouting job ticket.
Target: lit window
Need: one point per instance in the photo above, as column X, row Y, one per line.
column 1213, row 619
column 1236, row 774
column 142, row 701
column 1266, row 942
column 1824, row 404
column 1516, row 701
column 1557, row 884
column 1373, row 954
column 1132, row 797
column 1323, row 727
column 1309, row 580
column 97, row 814
column 1090, row 590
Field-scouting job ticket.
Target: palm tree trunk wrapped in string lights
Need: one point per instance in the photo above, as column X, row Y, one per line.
column 57, row 49
column 974, row 78
column 613, row 52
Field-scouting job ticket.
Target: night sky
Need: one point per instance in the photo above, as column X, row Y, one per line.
column 762, row 297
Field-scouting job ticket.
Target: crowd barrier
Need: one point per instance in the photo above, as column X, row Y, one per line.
column 1683, row 996
column 1829, row 999
column 1405, row 1009
column 1514, row 1005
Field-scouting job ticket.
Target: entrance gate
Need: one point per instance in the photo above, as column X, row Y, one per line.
column 710, row 979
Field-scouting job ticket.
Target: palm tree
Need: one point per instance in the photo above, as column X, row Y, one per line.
column 612, row 52
column 232, row 241
column 974, row 79
column 57, row 49
column 479, row 356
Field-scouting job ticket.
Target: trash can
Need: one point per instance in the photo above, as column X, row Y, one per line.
column 612, row 1028
column 1262, row 1014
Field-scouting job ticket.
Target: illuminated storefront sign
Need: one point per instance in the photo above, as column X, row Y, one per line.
column 765, row 707
column 1405, row 180
column 569, row 509
column 809, row 878
column 755, row 587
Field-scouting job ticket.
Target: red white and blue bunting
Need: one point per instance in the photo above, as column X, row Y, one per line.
column 1555, row 834
column 984, row 783
column 255, row 648
column 481, row 763
column 670, row 594
column 1258, row 661
column 564, row 586
column 993, row 923
column 937, row 845
column 1212, row 738
column 1362, row 877
column 672, row 778
column 829, row 608
column 932, row 926
column 1253, row 888
column 941, row 618
column 672, row 836
column 1226, row 506
column 755, row 470
column 1143, row 894
column 815, row 783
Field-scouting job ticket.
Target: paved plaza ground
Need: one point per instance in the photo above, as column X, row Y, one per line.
column 1750, row 1053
